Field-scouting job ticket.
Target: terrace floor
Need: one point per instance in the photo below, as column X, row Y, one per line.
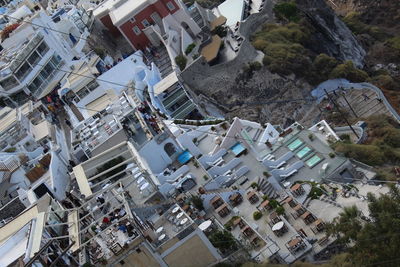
column 264, row 230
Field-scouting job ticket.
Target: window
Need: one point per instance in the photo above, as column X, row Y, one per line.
column 34, row 58
column 155, row 17
column 23, row 71
column 42, row 49
column 9, row 83
column 170, row 6
column 132, row 20
column 145, row 23
column 83, row 92
column 136, row 30
column 55, row 60
column 92, row 85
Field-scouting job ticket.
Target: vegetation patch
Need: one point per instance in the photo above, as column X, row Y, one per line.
column 382, row 146
column 181, row 61
column 257, row 215
column 197, row 202
column 223, row 240
column 190, row 48
column 288, row 11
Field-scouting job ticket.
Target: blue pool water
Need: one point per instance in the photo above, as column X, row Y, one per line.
column 313, row 161
column 185, row 157
column 238, row 148
column 295, row 144
column 304, row 151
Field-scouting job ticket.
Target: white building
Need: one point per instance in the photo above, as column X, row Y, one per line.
column 33, row 55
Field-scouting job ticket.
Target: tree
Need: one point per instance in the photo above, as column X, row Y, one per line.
column 197, row 202
column 223, row 240
column 321, row 68
column 377, row 240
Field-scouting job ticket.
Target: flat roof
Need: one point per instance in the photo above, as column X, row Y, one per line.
column 165, row 83
column 232, row 10
column 210, row 51
column 123, row 12
column 41, row 130
column 101, row 102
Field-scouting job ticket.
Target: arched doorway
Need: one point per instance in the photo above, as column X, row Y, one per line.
column 169, row 148
column 187, row 28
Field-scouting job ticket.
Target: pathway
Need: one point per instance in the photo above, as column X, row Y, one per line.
column 338, row 84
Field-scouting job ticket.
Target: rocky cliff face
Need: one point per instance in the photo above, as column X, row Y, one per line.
column 330, row 35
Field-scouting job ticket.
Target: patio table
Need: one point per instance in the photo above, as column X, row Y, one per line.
column 278, row 226
column 179, row 215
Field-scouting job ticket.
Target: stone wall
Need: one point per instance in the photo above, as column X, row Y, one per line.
column 199, row 74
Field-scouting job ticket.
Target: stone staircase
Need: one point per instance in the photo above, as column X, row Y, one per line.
column 266, row 188
column 163, row 61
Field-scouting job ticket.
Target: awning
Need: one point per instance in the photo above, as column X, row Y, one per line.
column 100, row 103
column 221, row 20
column 82, row 181
column 210, row 51
column 165, row 83
column 185, row 157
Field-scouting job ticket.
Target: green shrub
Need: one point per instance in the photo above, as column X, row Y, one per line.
column 195, row 56
column 311, row 136
column 223, row 240
column 194, row 140
column 332, row 155
column 368, row 154
column 280, row 210
column 181, row 61
column 254, row 185
column 395, row 42
column 220, row 30
column 287, row 10
column 322, row 66
column 348, row 71
column 197, row 202
column 265, row 197
column 10, row 150
column 257, row 215
column 213, row 128
column 190, row 48
column 273, row 203
column 384, row 82
column 205, row 177
column 315, row 192
column 195, row 163
column 282, row 46
column 266, row 174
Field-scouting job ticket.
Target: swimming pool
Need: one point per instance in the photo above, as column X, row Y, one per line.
column 185, row 157
column 304, row 151
column 313, row 161
column 295, row 144
column 238, row 148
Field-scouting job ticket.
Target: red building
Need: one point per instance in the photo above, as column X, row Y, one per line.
column 133, row 18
